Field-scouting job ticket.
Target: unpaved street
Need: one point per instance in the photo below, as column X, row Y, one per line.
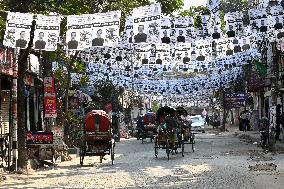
column 220, row 161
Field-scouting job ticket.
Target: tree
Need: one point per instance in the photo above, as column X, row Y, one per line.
column 63, row 7
column 196, row 13
column 236, row 5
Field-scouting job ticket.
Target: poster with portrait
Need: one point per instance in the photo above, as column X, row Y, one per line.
column 258, row 20
column 106, row 28
column 142, row 54
column 46, row 32
column 230, row 24
column 129, row 29
column 216, row 26
column 275, row 22
column 224, row 47
column 181, row 27
column 166, row 29
column 183, row 53
column 162, row 54
column 147, row 24
column 203, row 50
column 79, row 32
column 206, row 27
column 18, row 28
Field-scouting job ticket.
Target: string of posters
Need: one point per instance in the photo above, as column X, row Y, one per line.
column 152, row 44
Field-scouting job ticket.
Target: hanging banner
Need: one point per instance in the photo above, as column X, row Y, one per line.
column 129, row 30
column 6, row 61
column 18, row 28
column 79, row 32
column 234, row 100
column 46, row 32
column 49, row 85
column 166, row 29
column 162, row 54
column 50, row 107
column 147, row 24
column 105, row 29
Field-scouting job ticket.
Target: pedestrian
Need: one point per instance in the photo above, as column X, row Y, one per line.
column 207, row 120
column 278, row 122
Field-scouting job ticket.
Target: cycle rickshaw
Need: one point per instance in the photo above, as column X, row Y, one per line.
column 169, row 136
column 97, row 139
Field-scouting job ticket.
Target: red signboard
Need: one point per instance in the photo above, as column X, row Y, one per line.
column 50, row 106
column 39, row 137
column 6, row 61
column 49, row 85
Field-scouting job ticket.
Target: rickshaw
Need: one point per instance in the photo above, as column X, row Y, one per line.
column 148, row 129
column 97, row 139
column 169, row 136
column 188, row 136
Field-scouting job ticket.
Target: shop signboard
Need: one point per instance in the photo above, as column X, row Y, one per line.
column 39, row 137
column 50, row 107
column 234, row 100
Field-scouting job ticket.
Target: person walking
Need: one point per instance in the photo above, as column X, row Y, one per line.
column 278, row 122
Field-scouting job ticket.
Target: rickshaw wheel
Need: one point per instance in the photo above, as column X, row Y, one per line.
column 112, row 152
column 192, row 142
column 156, row 148
column 168, row 149
column 182, row 148
column 81, row 156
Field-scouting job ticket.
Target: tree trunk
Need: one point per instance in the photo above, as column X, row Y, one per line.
column 22, row 63
column 67, row 88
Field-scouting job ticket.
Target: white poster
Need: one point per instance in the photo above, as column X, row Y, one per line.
column 181, row 28
column 166, row 28
column 203, row 50
column 142, row 54
column 147, row 24
column 162, row 54
column 79, row 32
column 129, row 29
column 18, row 28
column 106, row 29
column 46, row 32
column 183, row 53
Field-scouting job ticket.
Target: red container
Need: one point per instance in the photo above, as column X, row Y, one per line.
column 149, row 118
column 97, row 121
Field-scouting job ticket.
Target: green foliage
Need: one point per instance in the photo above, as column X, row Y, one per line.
column 196, row 13
column 155, row 106
column 236, row 5
column 106, row 92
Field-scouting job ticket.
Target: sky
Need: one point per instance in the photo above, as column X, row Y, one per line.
column 189, row 3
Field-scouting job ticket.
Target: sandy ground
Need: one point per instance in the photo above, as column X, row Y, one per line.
column 220, row 161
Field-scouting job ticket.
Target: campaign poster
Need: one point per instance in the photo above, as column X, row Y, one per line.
column 147, row 24
column 162, row 54
column 183, row 53
column 79, row 32
column 47, row 32
column 142, row 54
column 181, row 27
column 105, row 29
column 128, row 30
column 18, row 26
column 166, row 29
column 203, row 50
